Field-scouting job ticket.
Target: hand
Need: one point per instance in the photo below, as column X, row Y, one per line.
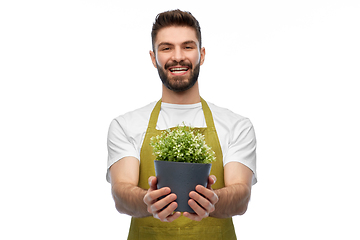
column 202, row 204
column 157, row 207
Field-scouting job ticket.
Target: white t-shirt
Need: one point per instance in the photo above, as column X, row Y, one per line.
column 236, row 133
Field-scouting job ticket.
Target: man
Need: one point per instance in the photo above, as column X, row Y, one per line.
column 177, row 54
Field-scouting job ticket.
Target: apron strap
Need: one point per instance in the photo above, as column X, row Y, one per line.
column 208, row 115
column 154, row 116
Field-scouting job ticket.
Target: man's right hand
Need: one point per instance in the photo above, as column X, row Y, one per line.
column 157, row 207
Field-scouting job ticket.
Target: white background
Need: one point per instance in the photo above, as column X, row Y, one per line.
column 67, row 68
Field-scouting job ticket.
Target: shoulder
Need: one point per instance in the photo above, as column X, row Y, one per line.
column 136, row 116
column 135, row 120
column 231, row 126
column 226, row 116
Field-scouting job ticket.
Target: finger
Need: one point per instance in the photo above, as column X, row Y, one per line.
column 202, row 202
column 173, row 216
column 211, row 181
column 152, row 182
column 152, row 195
column 192, row 216
column 162, row 203
column 167, row 213
column 207, row 193
column 199, row 214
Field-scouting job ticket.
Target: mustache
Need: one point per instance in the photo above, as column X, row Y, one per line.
column 181, row 63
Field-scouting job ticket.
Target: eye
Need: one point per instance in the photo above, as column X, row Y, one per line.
column 165, row 49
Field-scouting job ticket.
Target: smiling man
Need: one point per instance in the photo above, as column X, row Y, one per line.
column 177, row 54
column 180, row 58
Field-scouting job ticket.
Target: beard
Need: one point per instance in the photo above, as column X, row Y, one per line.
column 179, row 83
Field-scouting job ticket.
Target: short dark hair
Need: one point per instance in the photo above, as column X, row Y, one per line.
column 175, row 18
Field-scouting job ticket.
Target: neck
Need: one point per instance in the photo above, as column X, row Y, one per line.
column 189, row 96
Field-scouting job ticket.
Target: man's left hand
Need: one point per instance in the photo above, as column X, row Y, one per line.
column 204, row 203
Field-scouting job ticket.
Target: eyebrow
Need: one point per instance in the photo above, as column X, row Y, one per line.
column 170, row 44
column 189, row 42
column 164, row 43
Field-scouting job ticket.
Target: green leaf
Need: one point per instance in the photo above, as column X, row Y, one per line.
column 182, row 144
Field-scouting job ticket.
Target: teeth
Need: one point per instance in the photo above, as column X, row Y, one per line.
column 178, row 69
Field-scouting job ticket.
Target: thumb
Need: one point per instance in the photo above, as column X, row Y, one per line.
column 152, row 182
column 211, row 181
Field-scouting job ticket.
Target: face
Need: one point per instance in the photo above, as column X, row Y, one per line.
column 177, row 57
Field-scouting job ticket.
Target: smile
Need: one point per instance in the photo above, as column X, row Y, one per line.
column 178, row 70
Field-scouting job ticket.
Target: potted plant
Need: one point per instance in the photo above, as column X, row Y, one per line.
column 183, row 160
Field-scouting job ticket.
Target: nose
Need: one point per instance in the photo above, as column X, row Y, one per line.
column 178, row 55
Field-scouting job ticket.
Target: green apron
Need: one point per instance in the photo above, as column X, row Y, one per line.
column 182, row 228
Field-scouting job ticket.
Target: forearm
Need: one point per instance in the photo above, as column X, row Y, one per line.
column 233, row 200
column 129, row 199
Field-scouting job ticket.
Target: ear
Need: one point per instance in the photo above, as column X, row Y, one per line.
column 153, row 58
column 202, row 55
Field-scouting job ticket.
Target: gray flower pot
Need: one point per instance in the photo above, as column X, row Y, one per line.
column 181, row 178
